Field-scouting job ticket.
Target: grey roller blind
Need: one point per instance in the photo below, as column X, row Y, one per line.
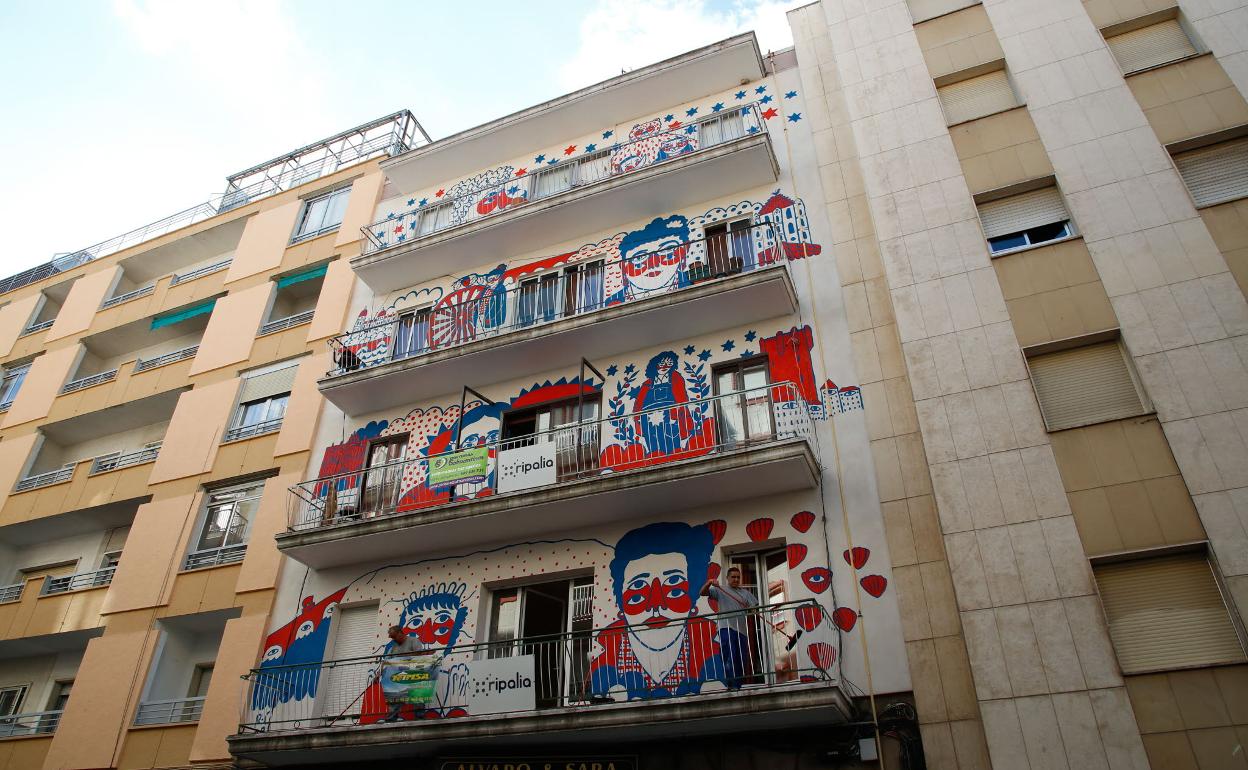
column 921, row 10
column 354, row 631
column 1084, row 385
column 270, row 383
column 1022, row 212
column 976, row 97
column 1217, row 173
column 1149, row 46
column 1167, row 612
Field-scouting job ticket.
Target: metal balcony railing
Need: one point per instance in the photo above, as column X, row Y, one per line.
column 30, row 723
column 86, row 382
column 5, row 405
column 12, row 593
column 122, row 298
column 569, row 671
column 657, row 146
column 215, row 267
column 166, row 712
column 94, row 579
column 46, row 479
column 142, row 365
column 525, row 299
column 117, row 460
column 215, row 557
column 391, row 135
column 719, row 424
column 38, row 327
column 281, row 324
column 249, row 431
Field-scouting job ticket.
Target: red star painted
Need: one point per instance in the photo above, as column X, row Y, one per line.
column 522, row 172
column 440, row 193
column 571, row 148
column 398, row 229
column 769, row 114
column 675, row 124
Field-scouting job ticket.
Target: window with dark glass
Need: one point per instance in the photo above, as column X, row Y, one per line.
column 742, row 406
column 322, row 213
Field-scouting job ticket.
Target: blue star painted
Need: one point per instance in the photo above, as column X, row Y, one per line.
column 423, row 202
column 704, row 355
column 750, row 335
column 747, row 354
column 539, row 158
column 668, row 118
column 795, row 117
column 740, row 94
column 790, row 94
column 411, row 201
column 717, row 106
column 728, row 346
column 691, row 112
column 590, row 147
column 765, row 100
column 689, row 350
column 691, row 129
column 390, row 215
column 760, row 89
column 607, row 134
column 552, row 161
column 513, row 189
column 630, row 369
column 611, row 370
column 752, row 130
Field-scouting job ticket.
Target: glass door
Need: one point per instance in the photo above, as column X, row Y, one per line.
column 765, row 574
column 576, row 443
column 728, row 248
column 743, row 412
column 412, row 334
column 380, row 494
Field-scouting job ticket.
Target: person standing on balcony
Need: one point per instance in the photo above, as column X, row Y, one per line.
column 738, row 603
column 401, row 644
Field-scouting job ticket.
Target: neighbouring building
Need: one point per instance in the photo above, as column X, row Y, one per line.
column 879, row 402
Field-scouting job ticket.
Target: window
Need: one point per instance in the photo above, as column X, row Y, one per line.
column 11, row 699
column 381, row 486
column 259, row 414
column 434, row 218
column 200, row 679
column 222, row 537
column 1150, row 46
column 262, row 400
column 60, row 696
column 322, row 213
column 1085, row 385
column 1167, row 612
column 922, row 10
column 576, row 446
column 555, row 180
column 355, row 636
column 1025, row 220
column 552, row 621
column 1217, row 173
column 729, row 247
column 977, row 97
column 765, row 574
column 12, row 381
column 742, row 406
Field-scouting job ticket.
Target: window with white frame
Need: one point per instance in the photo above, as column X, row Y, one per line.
column 1151, row 45
column 262, row 401
column 221, row 537
column 11, row 699
column 976, row 97
column 1085, row 385
column 1216, row 173
column 322, row 213
column 1167, row 611
column 13, row 377
column 1025, row 220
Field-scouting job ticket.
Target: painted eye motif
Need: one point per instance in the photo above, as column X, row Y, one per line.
column 817, row 579
column 329, row 610
column 305, row 628
column 273, row 653
column 442, row 617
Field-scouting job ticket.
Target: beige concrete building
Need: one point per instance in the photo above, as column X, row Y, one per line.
column 932, row 329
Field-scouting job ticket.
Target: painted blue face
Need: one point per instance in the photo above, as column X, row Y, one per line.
column 478, row 434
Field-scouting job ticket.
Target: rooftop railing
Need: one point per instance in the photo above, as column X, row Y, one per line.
column 83, row 383
column 142, row 365
column 530, row 296
column 611, row 444
column 564, row 671
column 659, row 145
column 93, row 579
column 390, row 135
column 30, row 723
column 118, row 460
column 167, row 712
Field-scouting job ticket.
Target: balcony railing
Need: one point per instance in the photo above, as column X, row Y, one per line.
column 657, row 146
column 86, row 382
column 215, row 557
column 95, row 579
column 216, row 267
column 122, row 298
column 168, row 358
column 30, row 723
column 119, row 460
column 250, row 431
column 298, row 319
column 525, row 298
column 565, row 671
column 46, row 479
column 12, row 593
column 619, row 442
column 166, row 712
column 38, row 327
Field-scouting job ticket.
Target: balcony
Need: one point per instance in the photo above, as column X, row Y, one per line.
column 30, row 723
column 171, row 711
column 665, row 170
column 540, row 317
column 740, row 445
column 570, row 696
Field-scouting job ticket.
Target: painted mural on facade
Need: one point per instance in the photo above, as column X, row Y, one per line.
column 652, row 635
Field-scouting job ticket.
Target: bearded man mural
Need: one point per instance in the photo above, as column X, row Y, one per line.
column 658, row 647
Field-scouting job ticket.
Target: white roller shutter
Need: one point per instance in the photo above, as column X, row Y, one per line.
column 1167, row 612
column 355, row 634
column 1084, row 385
column 270, row 383
column 1150, row 46
column 1022, row 212
column 1215, row 174
column 922, row 10
column 976, row 97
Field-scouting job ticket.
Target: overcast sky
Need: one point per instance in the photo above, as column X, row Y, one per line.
column 120, row 112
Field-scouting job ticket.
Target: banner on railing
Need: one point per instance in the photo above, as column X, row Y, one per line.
column 410, row 679
column 527, row 467
column 501, row 685
column 467, row 466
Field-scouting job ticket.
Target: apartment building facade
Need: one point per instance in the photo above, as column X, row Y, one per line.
column 159, row 397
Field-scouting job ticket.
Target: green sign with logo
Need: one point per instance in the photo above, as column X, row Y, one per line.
column 468, row 466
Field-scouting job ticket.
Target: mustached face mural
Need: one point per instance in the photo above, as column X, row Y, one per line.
column 658, row 647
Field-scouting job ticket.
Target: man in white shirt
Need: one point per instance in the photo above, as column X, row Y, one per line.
column 737, row 604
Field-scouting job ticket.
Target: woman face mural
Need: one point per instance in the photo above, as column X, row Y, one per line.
column 654, row 256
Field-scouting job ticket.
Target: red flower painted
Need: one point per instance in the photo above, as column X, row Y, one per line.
column 845, row 618
column 796, row 553
column 822, row 654
column 874, row 584
column 802, row 521
column 717, row 527
column 759, row 529
column 857, row 557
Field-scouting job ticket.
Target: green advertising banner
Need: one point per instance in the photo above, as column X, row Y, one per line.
column 468, row 466
column 410, row 679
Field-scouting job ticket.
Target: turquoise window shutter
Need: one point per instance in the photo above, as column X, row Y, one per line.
column 168, row 319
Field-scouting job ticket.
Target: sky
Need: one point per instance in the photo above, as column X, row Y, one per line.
column 120, row 112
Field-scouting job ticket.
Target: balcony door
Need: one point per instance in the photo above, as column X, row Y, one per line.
column 743, row 406
column 552, row 622
column 355, row 638
column 411, row 335
column 560, row 294
column 576, row 441
column 729, row 248
column 379, row 493
column 766, row 575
